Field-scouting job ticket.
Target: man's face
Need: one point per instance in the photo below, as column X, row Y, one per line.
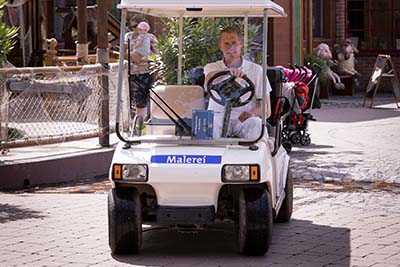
column 230, row 44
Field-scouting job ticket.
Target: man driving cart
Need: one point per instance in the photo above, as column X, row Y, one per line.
column 244, row 119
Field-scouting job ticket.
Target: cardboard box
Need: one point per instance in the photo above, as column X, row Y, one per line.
column 202, row 124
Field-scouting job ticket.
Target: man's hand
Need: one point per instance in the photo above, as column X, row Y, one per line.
column 245, row 115
column 237, row 72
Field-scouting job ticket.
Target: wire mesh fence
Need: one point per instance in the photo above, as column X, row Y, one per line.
column 47, row 105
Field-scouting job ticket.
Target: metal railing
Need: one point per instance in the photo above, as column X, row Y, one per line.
column 54, row 104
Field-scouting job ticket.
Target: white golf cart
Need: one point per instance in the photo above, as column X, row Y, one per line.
column 175, row 174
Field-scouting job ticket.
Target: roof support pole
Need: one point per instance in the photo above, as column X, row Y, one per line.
column 246, row 34
column 264, row 61
column 180, row 49
column 120, row 69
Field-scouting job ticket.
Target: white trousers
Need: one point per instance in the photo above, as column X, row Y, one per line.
column 248, row 129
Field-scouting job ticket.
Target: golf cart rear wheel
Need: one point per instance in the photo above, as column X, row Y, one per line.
column 124, row 221
column 255, row 221
column 285, row 212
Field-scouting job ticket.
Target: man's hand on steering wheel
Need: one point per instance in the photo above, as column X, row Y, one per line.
column 237, row 73
column 231, row 85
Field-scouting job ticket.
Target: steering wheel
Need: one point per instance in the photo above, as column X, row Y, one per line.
column 230, row 88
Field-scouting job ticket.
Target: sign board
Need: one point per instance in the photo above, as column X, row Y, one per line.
column 202, row 124
column 384, row 68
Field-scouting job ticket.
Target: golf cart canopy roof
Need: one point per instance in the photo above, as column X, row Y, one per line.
column 203, row 8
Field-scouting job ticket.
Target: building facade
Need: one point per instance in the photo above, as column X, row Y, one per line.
column 373, row 25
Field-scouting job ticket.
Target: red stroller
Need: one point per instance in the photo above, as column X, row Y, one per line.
column 299, row 97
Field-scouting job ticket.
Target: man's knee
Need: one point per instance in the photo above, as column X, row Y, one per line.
column 252, row 127
column 253, row 122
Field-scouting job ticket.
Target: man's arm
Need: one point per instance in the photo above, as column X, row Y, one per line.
column 210, row 70
column 258, row 83
column 257, row 111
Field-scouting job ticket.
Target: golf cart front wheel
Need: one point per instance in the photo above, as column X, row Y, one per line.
column 254, row 221
column 287, row 146
column 124, row 221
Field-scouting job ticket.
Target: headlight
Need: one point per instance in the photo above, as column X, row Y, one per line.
column 240, row 173
column 130, row 172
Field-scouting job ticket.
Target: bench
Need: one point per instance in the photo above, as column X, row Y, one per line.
column 181, row 98
column 347, row 80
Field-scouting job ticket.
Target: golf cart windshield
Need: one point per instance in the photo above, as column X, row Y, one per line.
column 178, row 113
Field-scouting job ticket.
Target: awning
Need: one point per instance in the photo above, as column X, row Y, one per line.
column 203, row 8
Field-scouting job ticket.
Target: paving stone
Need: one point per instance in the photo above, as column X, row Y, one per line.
column 329, row 228
column 346, row 209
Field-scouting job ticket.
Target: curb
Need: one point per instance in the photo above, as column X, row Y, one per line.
column 76, row 167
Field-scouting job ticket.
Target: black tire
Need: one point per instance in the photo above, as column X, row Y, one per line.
column 287, row 146
column 254, row 224
column 124, row 221
column 285, row 212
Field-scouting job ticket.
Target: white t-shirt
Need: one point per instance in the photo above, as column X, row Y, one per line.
column 253, row 71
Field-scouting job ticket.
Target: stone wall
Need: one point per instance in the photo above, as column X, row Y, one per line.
column 340, row 20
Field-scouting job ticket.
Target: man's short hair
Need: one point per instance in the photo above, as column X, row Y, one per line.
column 232, row 29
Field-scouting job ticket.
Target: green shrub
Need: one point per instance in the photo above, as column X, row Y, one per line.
column 200, row 45
column 7, row 36
column 311, row 59
column 14, row 134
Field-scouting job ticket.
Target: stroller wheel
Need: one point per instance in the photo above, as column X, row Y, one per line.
column 305, row 140
column 287, row 146
column 295, row 138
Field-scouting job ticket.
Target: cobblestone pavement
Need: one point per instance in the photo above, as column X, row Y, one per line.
column 351, row 143
column 345, row 223
column 329, row 228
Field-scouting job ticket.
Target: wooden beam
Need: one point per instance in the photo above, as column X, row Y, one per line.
column 82, row 46
column 310, row 26
column 82, row 21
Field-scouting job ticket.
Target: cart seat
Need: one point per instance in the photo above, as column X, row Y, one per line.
column 181, row 98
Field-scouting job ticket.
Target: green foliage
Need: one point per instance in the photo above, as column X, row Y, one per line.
column 7, row 36
column 311, row 59
column 200, row 45
column 14, row 134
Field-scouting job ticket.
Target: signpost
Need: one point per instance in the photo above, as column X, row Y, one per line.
column 384, row 68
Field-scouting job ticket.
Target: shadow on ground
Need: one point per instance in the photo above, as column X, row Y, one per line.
column 296, row 242
column 349, row 115
column 93, row 185
column 10, row 213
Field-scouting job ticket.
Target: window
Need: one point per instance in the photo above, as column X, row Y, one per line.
column 374, row 23
column 321, row 18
